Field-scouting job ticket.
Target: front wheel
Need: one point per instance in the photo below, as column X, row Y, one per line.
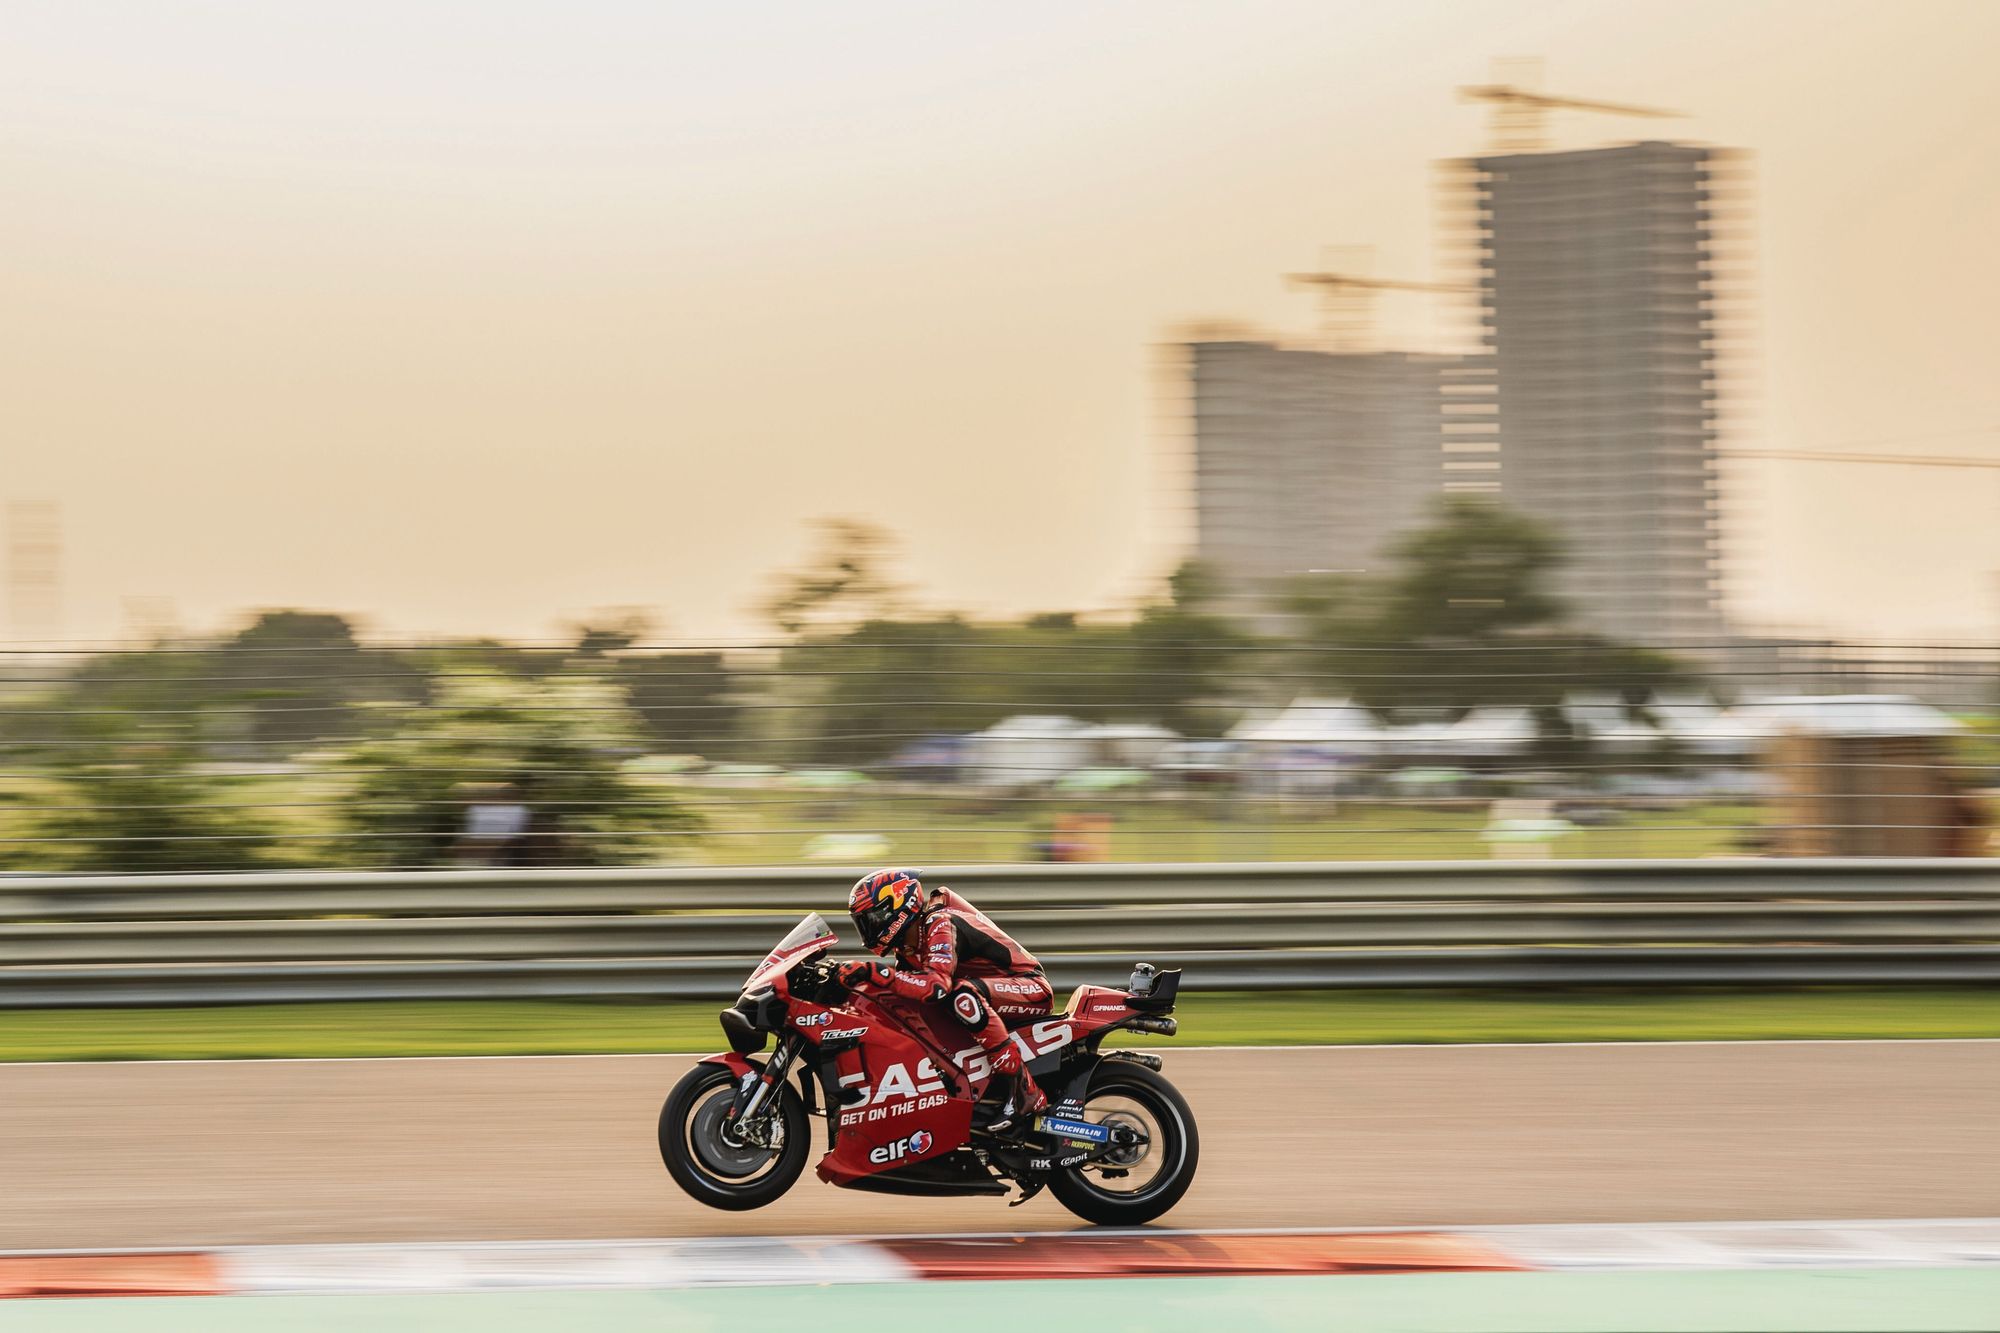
column 1153, row 1167
column 710, row 1168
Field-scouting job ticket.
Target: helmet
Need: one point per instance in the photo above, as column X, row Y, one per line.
column 883, row 906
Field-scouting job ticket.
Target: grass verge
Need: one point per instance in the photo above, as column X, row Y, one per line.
column 520, row 1027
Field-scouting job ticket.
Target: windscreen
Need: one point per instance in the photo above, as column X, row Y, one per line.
column 811, row 936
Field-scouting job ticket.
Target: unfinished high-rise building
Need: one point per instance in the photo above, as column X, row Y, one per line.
column 1308, row 461
column 1597, row 273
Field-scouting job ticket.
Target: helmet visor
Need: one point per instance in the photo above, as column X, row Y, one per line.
column 874, row 922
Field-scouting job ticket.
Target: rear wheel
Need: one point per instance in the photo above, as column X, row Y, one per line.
column 710, row 1168
column 1153, row 1164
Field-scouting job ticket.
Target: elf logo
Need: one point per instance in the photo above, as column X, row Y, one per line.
column 916, row 1145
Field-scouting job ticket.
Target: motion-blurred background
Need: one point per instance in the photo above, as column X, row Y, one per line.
column 1473, row 530
column 478, row 438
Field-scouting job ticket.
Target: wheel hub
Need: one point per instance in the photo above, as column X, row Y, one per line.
column 719, row 1150
column 1128, row 1134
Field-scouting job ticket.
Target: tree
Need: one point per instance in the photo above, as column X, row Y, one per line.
column 292, row 679
column 1187, row 654
column 612, row 633
column 843, row 583
column 132, row 796
column 1478, row 573
column 558, row 741
column 686, row 701
column 1465, row 619
column 870, row 690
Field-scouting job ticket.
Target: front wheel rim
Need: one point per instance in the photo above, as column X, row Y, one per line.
column 723, row 1166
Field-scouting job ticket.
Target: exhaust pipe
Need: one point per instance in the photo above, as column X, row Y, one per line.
column 1163, row 1027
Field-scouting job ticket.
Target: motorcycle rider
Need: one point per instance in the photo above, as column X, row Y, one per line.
column 948, row 950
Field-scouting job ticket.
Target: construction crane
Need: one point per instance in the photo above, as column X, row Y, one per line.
column 1896, row 460
column 1520, row 115
column 1347, row 304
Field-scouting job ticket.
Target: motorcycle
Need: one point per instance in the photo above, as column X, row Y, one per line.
column 897, row 1087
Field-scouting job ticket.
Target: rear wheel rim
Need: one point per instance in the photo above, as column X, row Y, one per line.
column 1152, row 1164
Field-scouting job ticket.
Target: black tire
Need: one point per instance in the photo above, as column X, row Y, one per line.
column 1174, row 1139
column 719, row 1183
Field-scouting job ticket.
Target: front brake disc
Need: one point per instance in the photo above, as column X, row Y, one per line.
column 724, row 1159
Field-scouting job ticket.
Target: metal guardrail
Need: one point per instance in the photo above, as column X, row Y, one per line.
column 677, row 933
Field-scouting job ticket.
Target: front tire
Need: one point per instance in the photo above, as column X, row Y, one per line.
column 714, row 1172
column 1156, row 1175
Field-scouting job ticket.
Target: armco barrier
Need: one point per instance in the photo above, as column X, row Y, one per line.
column 677, row 933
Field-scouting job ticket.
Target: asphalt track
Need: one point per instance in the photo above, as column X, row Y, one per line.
column 200, row 1153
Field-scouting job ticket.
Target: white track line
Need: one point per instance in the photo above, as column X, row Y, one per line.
column 1079, row 1230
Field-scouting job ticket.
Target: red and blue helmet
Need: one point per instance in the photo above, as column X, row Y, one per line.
column 883, row 905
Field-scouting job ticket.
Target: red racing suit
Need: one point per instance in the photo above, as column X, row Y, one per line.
column 955, row 952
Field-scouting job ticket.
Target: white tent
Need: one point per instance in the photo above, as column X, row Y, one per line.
column 1299, row 750
column 1698, row 724
column 1844, row 715
column 1493, row 732
column 1339, row 726
column 1026, row 750
column 1130, row 744
column 1421, row 740
column 1604, row 720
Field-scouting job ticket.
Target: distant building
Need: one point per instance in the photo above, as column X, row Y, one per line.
column 1597, row 291
column 1308, row 460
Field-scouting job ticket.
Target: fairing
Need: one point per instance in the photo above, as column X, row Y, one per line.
column 810, row 938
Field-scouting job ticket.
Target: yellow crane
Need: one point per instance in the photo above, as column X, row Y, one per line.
column 1347, row 304
column 1520, row 115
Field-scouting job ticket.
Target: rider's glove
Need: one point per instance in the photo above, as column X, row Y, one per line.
column 856, row 975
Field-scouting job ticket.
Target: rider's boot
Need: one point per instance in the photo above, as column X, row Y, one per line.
column 1012, row 1097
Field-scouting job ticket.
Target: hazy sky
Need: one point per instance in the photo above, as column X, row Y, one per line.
column 478, row 316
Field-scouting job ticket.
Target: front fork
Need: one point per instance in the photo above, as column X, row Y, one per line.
column 748, row 1122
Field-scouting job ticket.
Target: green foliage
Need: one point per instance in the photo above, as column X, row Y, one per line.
column 295, row 678
column 1464, row 620
column 132, row 796
column 559, row 742
column 844, row 582
column 686, row 702
column 1479, row 572
column 861, row 694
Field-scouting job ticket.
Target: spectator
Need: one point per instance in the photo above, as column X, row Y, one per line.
column 495, row 822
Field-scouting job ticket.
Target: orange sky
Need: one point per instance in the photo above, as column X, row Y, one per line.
column 474, row 317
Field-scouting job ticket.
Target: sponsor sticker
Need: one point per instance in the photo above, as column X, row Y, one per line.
column 812, row 1020
column 839, row 1034
column 1072, row 1129
column 916, row 1145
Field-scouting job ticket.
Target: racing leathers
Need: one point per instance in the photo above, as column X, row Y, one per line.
column 954, row 953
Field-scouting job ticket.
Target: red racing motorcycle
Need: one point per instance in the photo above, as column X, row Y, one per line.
column 896, row 1085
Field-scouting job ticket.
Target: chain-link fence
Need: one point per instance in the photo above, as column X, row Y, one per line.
column 952, row 743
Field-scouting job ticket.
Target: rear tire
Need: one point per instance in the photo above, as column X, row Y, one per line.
column 1123, row 1089
column 709, row 1169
